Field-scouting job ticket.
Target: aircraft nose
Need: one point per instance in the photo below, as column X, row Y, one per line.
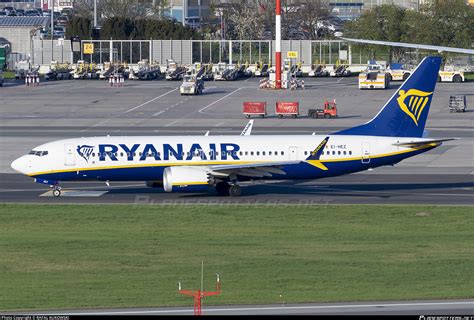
column 20, row 165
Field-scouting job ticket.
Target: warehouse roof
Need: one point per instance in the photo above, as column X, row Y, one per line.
column 24, row 21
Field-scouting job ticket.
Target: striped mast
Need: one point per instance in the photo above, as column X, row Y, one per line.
column 278, row 44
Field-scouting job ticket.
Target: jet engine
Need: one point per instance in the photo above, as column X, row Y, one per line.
column 185, row 179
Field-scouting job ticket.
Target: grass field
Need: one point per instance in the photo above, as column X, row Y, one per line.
column 62, row 256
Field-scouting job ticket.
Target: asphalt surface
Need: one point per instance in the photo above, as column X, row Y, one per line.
column 356, row 188
column 74, row 108
column 418, row 308
column 55, row 110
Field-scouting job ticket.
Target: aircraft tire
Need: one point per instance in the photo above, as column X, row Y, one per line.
column 235, row 190
column 56, row 192
column 222, row 188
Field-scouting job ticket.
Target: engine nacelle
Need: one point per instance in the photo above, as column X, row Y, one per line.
column 185, row 179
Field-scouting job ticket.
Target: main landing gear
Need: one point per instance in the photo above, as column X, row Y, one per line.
column 226, row 189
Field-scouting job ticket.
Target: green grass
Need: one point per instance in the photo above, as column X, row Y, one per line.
column 62, row 256
column 8, row 75
column 469, row 76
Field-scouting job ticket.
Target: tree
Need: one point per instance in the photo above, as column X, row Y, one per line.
column 245, row 21
column 311, row 15
column 79, row 26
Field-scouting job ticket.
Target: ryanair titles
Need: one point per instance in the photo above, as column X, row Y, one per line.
column 142, row 152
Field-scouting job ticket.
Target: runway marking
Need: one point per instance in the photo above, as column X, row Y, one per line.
column 347, row 306
column 149, row 101
column 224, row 97
column 75, row 193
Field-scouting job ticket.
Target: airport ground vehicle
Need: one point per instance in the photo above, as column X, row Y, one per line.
column 374, row 77
column 341, row 71
column 262, row 71
column 58, row 71
column 451, row 76
column 173, row 71
column 457, row 103
column 22, row 68
column 255, row 109
column 329, row 111
column 291, row 109
column 397, row 72
column 191, row 85
column 318, row 71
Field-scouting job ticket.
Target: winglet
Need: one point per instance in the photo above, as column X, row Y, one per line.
column 248, row 129
column 313, row 159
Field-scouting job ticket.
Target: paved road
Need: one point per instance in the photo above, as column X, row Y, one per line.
column 426, row 308
column 365, row 188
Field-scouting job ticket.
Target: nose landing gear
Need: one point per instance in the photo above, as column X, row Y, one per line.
column 56, row 191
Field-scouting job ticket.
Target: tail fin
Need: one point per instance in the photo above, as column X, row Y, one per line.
column 405, row 114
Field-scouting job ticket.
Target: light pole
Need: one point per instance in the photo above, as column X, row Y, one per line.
column 95, row 13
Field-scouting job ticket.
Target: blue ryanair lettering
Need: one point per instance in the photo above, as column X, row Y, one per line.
column 130, row 152
column 148, row 151
column 109, row 150
column 229, row 149
column 168, row 150
column 196, row 149
column 226, row 150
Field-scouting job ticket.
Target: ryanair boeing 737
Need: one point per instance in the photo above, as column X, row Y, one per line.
column 198, row 163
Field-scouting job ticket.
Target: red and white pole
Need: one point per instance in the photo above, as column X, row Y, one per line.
column 278, row 44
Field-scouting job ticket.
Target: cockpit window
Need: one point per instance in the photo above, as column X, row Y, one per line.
column 38, row 153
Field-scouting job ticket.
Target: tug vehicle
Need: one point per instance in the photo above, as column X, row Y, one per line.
column 191, row 85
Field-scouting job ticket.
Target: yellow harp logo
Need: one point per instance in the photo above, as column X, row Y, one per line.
column 412, row 102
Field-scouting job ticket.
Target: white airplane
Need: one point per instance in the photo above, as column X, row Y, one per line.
column 200, row 163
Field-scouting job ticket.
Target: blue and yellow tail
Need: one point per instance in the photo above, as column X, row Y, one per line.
column 405, row 114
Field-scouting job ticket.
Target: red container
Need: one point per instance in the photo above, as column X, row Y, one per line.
column 287, row 108
column 255, row 108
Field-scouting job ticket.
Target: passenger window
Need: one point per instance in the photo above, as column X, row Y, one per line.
column 339, row 152
column 93, row 154
column 140, row 153
column 241, row 153
column 246, row 153
column 121, row 154
column 251, row 153
column 282, row 153
column 334, row 153
column 306, row 153
column 269, row 153
column 258, row 153
column 350, row 152
column 263, row 153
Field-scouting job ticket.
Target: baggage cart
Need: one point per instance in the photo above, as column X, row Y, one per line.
column 287, row 109
column 255, row 109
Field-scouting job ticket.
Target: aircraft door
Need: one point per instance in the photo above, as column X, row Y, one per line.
column 70, row 156
column 293, row 153
column 365, row 152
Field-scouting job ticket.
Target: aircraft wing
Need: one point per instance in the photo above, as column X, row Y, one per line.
column 411, row 45
column 418, row 144
column 256, row 170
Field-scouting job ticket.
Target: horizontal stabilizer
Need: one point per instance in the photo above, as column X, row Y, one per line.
column 418, row 144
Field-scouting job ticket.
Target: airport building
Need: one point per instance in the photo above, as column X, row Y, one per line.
column 19, row 31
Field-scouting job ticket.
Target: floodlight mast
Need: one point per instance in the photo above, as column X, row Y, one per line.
column 278, row 45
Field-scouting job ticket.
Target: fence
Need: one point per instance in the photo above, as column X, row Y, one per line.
column 190, row 51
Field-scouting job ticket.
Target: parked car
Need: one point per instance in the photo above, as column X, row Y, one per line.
column 62, row 20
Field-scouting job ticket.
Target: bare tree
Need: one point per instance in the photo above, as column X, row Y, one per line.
column 121, row 8
column 311, row 14
column 245, row 20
